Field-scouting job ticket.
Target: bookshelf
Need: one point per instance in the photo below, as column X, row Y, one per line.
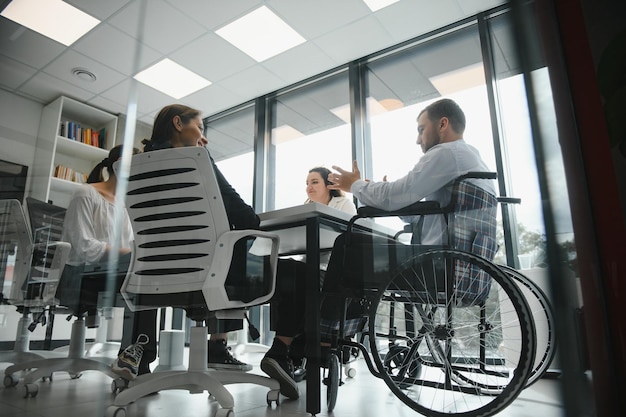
column 74, row 155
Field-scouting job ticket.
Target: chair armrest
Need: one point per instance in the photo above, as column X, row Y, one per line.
column 421, row 207
column 213, row 288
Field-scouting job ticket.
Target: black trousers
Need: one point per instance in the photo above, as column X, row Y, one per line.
column 287, row 304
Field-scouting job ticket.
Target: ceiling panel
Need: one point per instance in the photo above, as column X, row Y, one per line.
column 337, row 31
column 115, row 49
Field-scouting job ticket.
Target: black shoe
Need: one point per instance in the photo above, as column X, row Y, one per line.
column 277, row 365
column 221, row 358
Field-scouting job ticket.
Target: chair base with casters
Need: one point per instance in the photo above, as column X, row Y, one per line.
column 21, row 352
column 197, row 379
column 74, row 363
column 79, row 290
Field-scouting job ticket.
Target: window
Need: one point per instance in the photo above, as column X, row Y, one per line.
column 231, row 139
column 310, row 128
column 401, row 85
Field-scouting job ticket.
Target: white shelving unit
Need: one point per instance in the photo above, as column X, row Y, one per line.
column 54, row 149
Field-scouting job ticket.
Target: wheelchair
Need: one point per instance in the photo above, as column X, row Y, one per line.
column 448, row 331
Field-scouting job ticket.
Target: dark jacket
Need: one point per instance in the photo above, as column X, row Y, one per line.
column 240, row 215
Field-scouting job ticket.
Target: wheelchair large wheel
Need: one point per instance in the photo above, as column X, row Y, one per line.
column 543, row 317
column 475, row 359
column 333, row 381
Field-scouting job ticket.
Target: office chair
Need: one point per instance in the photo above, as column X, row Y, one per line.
column 46, row 222
column 32, row 286
column 185, row 255
column 76, row 292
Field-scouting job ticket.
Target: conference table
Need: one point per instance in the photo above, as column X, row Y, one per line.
column 310, row 229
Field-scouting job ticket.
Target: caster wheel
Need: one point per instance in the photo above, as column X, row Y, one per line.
column 350, row 372
column 118, row 385
column 31, row 390
column 273, row 396
column 223, row 412
column 114, row 411
column 10, row 381
column 75, row 376
column 46, row 378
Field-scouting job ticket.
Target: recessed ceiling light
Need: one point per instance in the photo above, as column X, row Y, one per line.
column 378, row 4
column 52, row 18
column 261, row 34
column 172, row 79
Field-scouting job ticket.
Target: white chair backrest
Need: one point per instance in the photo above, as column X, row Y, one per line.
column 183, row 243
column 172, row 198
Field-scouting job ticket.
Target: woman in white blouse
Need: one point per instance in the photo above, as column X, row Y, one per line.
column 89, row 227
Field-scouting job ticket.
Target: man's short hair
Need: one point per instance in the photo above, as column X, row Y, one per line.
column 446, row 108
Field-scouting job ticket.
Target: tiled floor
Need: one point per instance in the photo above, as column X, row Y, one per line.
column 362, row 396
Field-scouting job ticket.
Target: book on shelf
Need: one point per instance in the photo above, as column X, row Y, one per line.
column 69, row 174
column 87, row 135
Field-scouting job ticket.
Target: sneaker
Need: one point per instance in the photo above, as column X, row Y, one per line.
column 127, row 363
column 277, row 364
column 221, row 358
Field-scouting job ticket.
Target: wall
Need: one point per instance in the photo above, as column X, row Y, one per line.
column 19, row 122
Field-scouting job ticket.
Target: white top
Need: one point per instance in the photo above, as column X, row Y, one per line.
column 342, row 203
column 89, row 226
column 437, row 167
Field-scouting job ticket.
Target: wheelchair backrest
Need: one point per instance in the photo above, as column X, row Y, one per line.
column 472, row 228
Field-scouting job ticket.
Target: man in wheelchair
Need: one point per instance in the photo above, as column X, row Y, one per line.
column 441, row 316
column 370, row 260
column 447, row 156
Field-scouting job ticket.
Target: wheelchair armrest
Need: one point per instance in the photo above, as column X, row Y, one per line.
column 509, row 200
column 421, row 207
column 479, row 175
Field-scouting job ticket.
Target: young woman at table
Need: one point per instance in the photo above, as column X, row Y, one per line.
column 318, row 192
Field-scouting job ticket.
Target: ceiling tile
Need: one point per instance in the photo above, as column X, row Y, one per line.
column 472, row 7
column 400, row 19
column 253, row 82
column 62, row 67
column 148, row 99
column 14, row 73
column 47, row 88
column 213, row 99
column 116, row 49
column 212, row 57
column 27, row 46
column 165, row 28
column 313, row 19
column 214, row 14
column 355, row 40
column 300, row 63
column 99, row 9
